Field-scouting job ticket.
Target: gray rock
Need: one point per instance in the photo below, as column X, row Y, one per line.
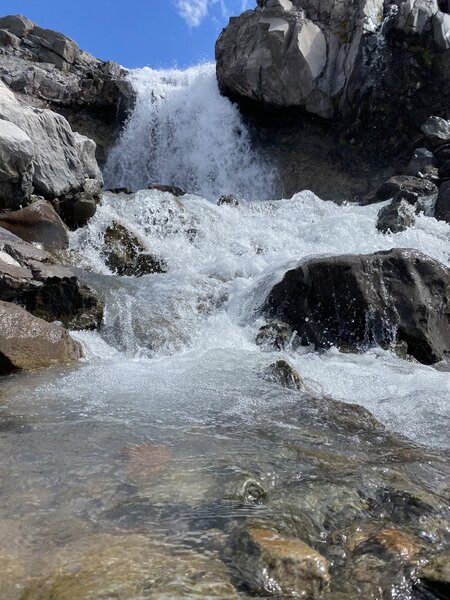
column 295, row 54
column 49, row 70
column 284, row 374
column 442, row 207
column 16, row 24
column 388, row 297
column 421, row 162
column 405, row 183
column 28, row 343
column 436, row 130
column 396, row 217
column 16, row 165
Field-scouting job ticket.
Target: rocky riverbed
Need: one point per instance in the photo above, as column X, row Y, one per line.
column 208, row 391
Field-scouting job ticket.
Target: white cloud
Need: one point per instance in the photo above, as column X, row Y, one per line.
column 192, row 11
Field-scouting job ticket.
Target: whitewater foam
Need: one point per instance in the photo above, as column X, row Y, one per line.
column 183, row 132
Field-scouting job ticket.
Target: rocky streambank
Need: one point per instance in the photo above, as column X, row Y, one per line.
column 277, row 489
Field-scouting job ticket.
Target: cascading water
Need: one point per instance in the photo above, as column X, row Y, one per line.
column 170, row 426
column 183, row 132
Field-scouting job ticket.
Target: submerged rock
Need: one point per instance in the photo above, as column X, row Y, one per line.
column 169, row 189
column 28, row 343
column 271, row 564
column 130, row 567
column 126, row 254
column 37, row 223
column 393, row 296
column 435, row 576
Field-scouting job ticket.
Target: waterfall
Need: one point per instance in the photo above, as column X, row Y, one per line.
column 183, row 132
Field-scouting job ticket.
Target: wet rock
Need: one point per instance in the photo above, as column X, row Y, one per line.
column 126, row 254
column 396, row 217
column 64, row 298
column 394, row 296
column 37, row 223
column 28, row 343
column 170, row 189
column 276, row 335
column 229, row 200
column 16, row 165
column 405, row 183
column 421, row 162
column 444, row 170
column 442, row 207
column 271, row 564
column 130, row 567
column 435, row 576
column 436, row 131
column 282, row 373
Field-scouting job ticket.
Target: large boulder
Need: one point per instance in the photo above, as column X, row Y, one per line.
column 64, row 161
column 396, row 296
column 48, row 69
column 295, row 54
column 16, row 165
column 27, row 342
column 37, row 223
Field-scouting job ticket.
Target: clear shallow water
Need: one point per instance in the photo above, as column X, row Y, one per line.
column 167, row 421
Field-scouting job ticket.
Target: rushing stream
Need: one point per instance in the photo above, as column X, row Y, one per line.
column 168, row 426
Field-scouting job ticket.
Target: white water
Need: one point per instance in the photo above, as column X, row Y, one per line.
column 183, row 132
column 190, row 333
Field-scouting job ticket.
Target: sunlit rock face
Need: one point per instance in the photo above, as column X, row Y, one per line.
column 296, row 54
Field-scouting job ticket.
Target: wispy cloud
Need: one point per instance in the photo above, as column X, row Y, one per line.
column 194, row 12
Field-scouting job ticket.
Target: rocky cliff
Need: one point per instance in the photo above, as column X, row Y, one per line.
column 340, row 86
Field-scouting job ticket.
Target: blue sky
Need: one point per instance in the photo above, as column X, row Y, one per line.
column 136, row 33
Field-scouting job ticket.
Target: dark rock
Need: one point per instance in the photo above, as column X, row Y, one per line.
column 27, row 342
column 421, row 162
column 37, row 223
column 126, row 254
column 229, row 200
column 444, row 170
column 170, row 189
column 442, row 208
column 435, row 576
column 67, row 300
column 276, row 335
column 29, row 277
column 269, row 563
column 394, row 296
column 436, row 130
column 396, row 217
column 405, row 183
column 282, row 373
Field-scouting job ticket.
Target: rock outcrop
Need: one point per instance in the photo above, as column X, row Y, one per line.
column 49, row 70
column 16, row 165
column 373, row 71
column 398, row 296
column 28, row 343
column 29, row 277
column 65, row 168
